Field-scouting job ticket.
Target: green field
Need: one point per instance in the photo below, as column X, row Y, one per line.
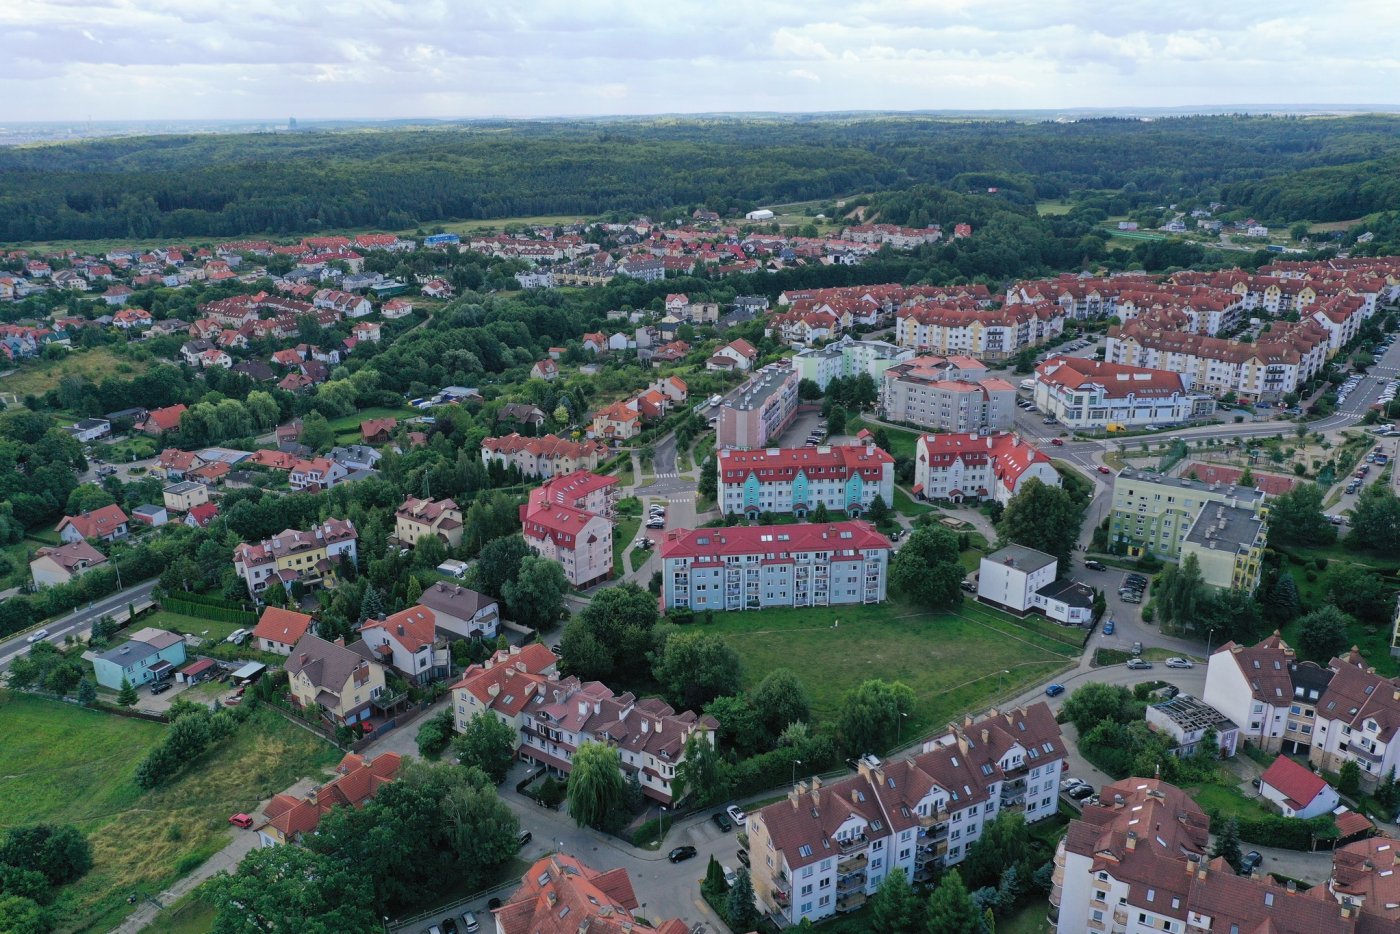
column 212, row 629
column 62, row 763
column 909, row 507
column 191, row 915
column 953, row 661
column 902, row 440
column 624, row 533
column 1053, row 207
column 39, row 376
column 347, row 427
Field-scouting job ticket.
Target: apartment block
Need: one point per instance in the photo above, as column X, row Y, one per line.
column 1228, row 542
column 947, row 394
column 843, row 478
column 963, row 467
column 544, row 456
column 846, row 358
column 1153, row 513
column 581, row 541
column 756, row 414
column 1095, row 394
column 754, row 567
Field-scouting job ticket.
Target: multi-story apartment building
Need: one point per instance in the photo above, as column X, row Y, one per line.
column 1153, row 513
column 846, row 478
column 579, row 490
column 947, row 394
column 827, row 848
column 553, row 716
column 561, row 893
column 1228, row 542
column 290, row 556
column 1094, row 394
column 1137, row 862
column 544, row 456
column 756, row 414
column 416, row 518
column 848, row 357
column 579, row 540
column 749, row 568
column 1334, row 714
column 985, row 333
column 975, row 467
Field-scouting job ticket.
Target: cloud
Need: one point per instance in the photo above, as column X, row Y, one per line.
column 404, row 58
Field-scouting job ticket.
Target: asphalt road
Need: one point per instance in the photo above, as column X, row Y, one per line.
column 77, row 622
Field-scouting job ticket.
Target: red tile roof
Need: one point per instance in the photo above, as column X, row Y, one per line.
column 561, row 895
column 1297, row 783
column 412, row 628
column 758, row 539
column 779, row 465
column 284, row 626
column 97, row 523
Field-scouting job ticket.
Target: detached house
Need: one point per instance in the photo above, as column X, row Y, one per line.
column 64, row 563
column 416, row 518
column 288, row 819
column 377, row 430
column 108, row 524
column 408, row 642
column 158, row 421
column 545, row 369
column 461, row 613
column 318, row 473
column 342, row 682
column 279, row 630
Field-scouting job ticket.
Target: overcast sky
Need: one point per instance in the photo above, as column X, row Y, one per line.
column 153, row 59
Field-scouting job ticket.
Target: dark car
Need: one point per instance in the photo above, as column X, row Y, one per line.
column 1054, row 690
column 743, row 856
column 449, row 926
column 722, row 821
column 681, row 853
column 523, row 838
column 1170, row 691
column 1251, row 860
column 161, row 687
column 1080, row 792
column 1093, row 565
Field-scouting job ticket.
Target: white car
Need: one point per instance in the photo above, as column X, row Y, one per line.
column 1179, row 663
column 736, row 814
column 656, row 524
column 37, row 634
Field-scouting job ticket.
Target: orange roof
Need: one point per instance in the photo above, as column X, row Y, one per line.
column 412, row 628
column 284, row 626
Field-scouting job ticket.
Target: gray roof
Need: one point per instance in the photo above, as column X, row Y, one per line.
column 1226, row 528
column 1022, row 558
column 326, row 664
column 1071, row 593
column 1242, row 493
column 184, row 486
column 134, row 650
column 454, row 600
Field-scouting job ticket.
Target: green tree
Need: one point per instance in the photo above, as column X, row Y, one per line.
column 1044, row 518
column 739, row 908
column 611, row 636
column 291, row 890
column 317, row 433
column 709, row 478
column 702, row 772
column 1003, row 843
column 1181, row 599
column 1296, row 518
column 781, row 698
column 1349, row 778
column 927, row 569
column 1375, row 519
column 596, row 787
column 488, row 744
column 1361, row 593
column 1322, row 634
column 694, row 668
column 714, row 884
column 59, row 851
column 413, row 591
column 1233, row 615
column 1095, row 703
column 895, row 909
column 126, row 696
column 435, row 734
column 741, row 729
column 1283, row 603
column 23, row 916
column 950, row 908
column 820, row 516
column 25, row 883
column 836, row 421
column 1227, row 843
column 871, row 715
column 879, row 511
column 536, row 595
column 499, row 563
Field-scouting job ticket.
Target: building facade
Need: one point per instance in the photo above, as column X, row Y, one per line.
column 1154, row 513
column 846, row 358
column 843, row 478
column 756, row 414
column 290, row 556
column 579, row 540
column 945, row 394
column 1228, row 542
column 1090, row 395
column 416, row 518
column 545, row 456
column 962, row 467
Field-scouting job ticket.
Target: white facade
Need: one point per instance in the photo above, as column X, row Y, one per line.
column 1011, row 576
column 1090, row 395
column 849, row 357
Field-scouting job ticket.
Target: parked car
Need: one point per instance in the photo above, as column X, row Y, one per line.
column 1137, row 648
column 743, row 856
column 736, row 814
column 1139, row 664
column 1070, row 781
column 1131, row 598
column 1080, row 792
column 722, row 822
column 968, row 586
column 1054, row 690
column 1108, row 628
column 1093, row 565
column 241, row 820
column 469, row 923
column 449, row 926
column 731, row 876
column 1178, row 662
column 523, row 838
column 37, row 634
column 1170, row 691
column 656, row 523
column 1251, row 861
column 681, row 853
column 160, row 687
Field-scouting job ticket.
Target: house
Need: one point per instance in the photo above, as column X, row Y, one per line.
column 162, row 420
column 343, row 683
column 962, row 467
column 408, row 642
column 211, row 474
column 291, row 555
column 200, row 516
column 736, row 355
column 317, row 473
column 846, row 478
column 544, row 456
column 1014, row 577
column 355, row 457
column 947, row 394
column 1093, row 394
column 396, row 308
column 148, row 655
column 520, row 414
column 174, row 463
column 90, row 429
column 461, row 613
column 595, row 342
column 366, row 331
column 579, row 540
column 64, row 563
column 279, row 630
column 617, row 422
column 1297, row 790
column 416, row 518
column 828, row 846
column 1187, row 720
column 108, row 524
column 545, row 369
column 287, row 819
column 151, row 515
column 599, row 902
column 184, row 496
column 377, row 430
column 274, row 460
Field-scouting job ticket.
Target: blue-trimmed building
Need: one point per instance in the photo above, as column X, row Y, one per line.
column 149, row 655
column 844, row 478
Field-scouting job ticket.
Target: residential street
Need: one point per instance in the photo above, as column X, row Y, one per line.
column 80, row 620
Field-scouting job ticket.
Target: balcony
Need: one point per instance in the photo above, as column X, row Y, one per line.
column 851, row 864
column 1370, row 755
column 931, row 854
column 929, row 820
column 850, row 902
column 852, row 883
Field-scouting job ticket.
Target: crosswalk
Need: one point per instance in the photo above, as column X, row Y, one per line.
column 666, row 476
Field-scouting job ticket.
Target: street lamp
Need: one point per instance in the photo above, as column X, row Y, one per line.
column 795, row 764
column 661, row 817
column 1209, row 636
column 899, row 729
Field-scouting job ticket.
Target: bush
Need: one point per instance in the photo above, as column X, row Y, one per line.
column 650, row 832
column 1289, row 833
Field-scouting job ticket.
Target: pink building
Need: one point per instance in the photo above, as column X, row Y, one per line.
column 579, row 540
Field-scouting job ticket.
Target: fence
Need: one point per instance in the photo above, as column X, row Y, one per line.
column 442, row 911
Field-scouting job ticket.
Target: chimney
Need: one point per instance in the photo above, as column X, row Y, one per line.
column 400, row 628
column 304, row 658
column 1292, row 887
column 816, row 784
column 340, row 641
column 646, row 725
column 583, row 708
column 1117, row 802
column 793, row 796
column 597, row 707
column 1132, row 840
column 986, row 736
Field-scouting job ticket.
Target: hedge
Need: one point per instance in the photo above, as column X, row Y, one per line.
column 647, row 833
column 1289, row 833
column 222, row 614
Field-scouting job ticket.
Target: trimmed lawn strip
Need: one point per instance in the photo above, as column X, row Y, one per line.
column 952, row 661
column 190, row 915
column 217, row 630
column 905, row 504
column 624, row 533
column 351, row 422
column 1228, row 801
column 902, row 441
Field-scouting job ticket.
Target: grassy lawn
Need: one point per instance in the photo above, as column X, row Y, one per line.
column 38, row 377
column 208, row 629
column 624, row 533
column 909, row 507
column 1052, row 207
column 352, row 422
column 953, row 661
column 66, row 764
column 191, row 915
column 1032, row 919
column 129, row 449
column 902, row 440
column 1228, row 801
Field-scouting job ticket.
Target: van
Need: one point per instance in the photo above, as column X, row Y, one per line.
column 237, row 637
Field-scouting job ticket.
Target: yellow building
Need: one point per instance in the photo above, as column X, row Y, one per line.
column 1154, row 513
column 1228, row 542
column 419, row 517
column 343, row 682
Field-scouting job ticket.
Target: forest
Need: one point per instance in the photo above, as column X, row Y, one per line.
column 282, row 183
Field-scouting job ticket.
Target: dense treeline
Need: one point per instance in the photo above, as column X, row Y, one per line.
column 192, row 186
column 1328, row 193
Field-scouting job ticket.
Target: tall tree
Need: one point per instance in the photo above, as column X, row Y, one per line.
column 1283, row 603
column 59, row 851
column 927, row 569
column 1296, row 518
column 536, row 595
column 488, row 744
column 612, row 635
column 1096, row 703
column 1227, row 843
column 290, row 889
column 1375, row 520
column 499, row 563
column 950, row 908
column 317, row 433
column 1044, row 518
column 596, row 788
column 781, row 698
column 1004, row 842
column 1322, row 634
column 871, row 715
column 702, row 773
column 895, row 909
column 126, row 695
column 695, row 668
column 1359, row 592
column 739, row 908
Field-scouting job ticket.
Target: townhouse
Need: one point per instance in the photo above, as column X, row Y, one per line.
column 827, row 847
column 846, row 358
column 581, row 541
column 1152, row 513
column 416, row 518
column 760, row 410
column 316, row 473
column 557, row 886
column 845, row 478
column 1092, row 395
column 288, row 819
column 408, row 642
column 290, row 556
column 992, row 334
column 976, row 467
column 553, row 716
column 947, row 394
column 754, row 567
column 545, row 456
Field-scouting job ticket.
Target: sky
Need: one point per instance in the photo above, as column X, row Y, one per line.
column 386, row 59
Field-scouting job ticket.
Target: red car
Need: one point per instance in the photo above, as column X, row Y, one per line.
column 241, row 820
column 1103, row 469
column 1058, row 442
